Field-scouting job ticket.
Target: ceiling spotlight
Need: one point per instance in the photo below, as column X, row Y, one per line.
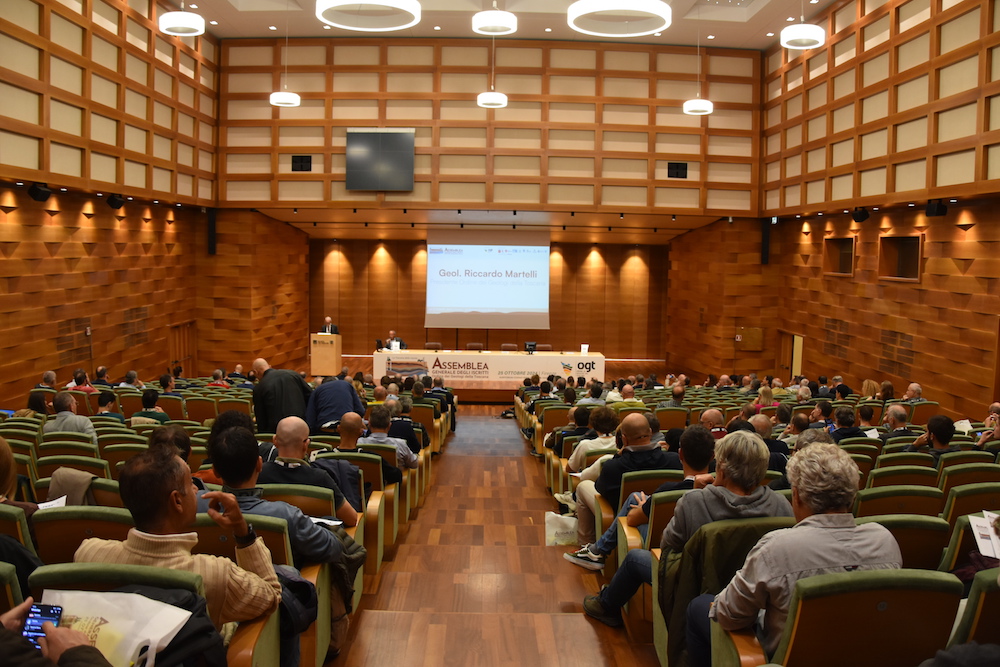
column 272, row 27
column 177, row 205
column 621, row 216
column 370, row 15
column 117, row 201
column 63, row 189
column 19, row 183
column 39, row 191
column 911, row 204
column 657, row 34
column 326, row 27
column 182, row 23
column 213, row 23
column 100, row 194
column 437, row 27
column 953, row 201
column 936, row 208
column 790, row 19
column 494, row 22
column 710, row 37
column 673, row 218
column 860, row 214
column 619, row 18
column 770, row 34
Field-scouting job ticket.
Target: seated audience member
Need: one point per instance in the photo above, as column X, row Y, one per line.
column 379, row 423
column 434, row 400
column 914, row 394
column 824, row 540
column 174, row 435
column 839, row 389
column 168, row 385
column 803, row 395
column 250, row 382
column 725, row 384
column 447, row 398
column 820, row 417
column 799, row 425
column 392, row 391
column 782, row 416
column 81, row 382
column 614, row 392
column 765, row 399
column 218, row 379
column 886, row 391
column 779, row 450
column 157, row 490
column 236, row 460
column 150, row 410
column 937, row 439
column 132, row 380
column 637, row 453
column 178, row 372
column 379, row 395
column 48, row 381
column 105, row 402
column 869, row 390
column 101, row 377
column 992, row 426
column 657, row 436
column 569, row 396
column 777, row 387
column 66, row 418
column 368, row 380
column 628, row 399
column 292, row 466
column 676, row 398
column 60, row 646
column 806, row 438
column 351, row 428
column 579, row 419
column 712, row 420
column 844, row 418
column 593, row 396
column 228, row 419
column 895, row 419
column 822, row 390
column 237, row 373
column 697, row 448
column 8, row 484
column 328, row 403
column 37, row 407
column 865, row 415
column 711, row 381
column 544, row 395
column 604, row 422
column 402, row 425
column 672, row 440
column 735, row 493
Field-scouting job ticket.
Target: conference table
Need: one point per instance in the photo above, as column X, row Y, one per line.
column 486, row 369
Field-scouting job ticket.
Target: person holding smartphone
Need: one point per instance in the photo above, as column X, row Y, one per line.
column 59, row 646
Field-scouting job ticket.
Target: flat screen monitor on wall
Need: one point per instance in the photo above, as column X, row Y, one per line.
column 380, row 159
column 487, row 280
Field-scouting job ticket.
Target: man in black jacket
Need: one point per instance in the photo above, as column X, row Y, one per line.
column 637, row 453
column 280, row 393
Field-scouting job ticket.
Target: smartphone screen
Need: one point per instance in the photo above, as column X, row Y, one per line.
column 37, row 615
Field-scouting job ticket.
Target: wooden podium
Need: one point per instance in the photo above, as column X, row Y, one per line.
column 324, row 354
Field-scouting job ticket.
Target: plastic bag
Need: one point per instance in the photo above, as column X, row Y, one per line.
column 559, row 530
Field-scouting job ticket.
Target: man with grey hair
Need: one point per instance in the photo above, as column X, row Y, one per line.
column 734, row 493
column 48, row 381
column 66, row 418
column 379, row 421
column 712, row 420
column 895, row 419
column 914, row 393
column 402, row 426
column 132, row 380
column 825, row 540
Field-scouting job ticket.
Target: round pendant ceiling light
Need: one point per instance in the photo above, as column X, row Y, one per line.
column 494, row 22
column 802, row 36
column 369, row 15
column 624, row 18
column 181, row 23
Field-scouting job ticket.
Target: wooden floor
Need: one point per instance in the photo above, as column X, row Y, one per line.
column 471, row 582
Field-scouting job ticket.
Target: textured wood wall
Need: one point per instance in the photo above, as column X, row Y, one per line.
column 130, row 275
column 73, row 263
column 253, row 295
column 717, row 285
column 610, row 296
column 940, row 330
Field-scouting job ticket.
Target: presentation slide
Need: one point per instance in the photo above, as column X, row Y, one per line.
column 487, row 286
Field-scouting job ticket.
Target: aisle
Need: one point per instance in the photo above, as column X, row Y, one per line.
column 471, row 581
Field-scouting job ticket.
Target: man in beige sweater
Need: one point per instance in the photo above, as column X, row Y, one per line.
column 156, row 488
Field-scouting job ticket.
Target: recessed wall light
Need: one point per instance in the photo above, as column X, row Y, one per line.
column 66, row 189
column 548, row 30
column 711, row 37
column 437, row 27
column 213, row 23
column 911, row 204
column 770, row 34
column 272, row 27
column 953, row 201
column 790, row 19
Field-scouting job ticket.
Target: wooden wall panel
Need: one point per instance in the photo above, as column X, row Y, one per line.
column 940, row 331
column 612, row 297
column 73, row 263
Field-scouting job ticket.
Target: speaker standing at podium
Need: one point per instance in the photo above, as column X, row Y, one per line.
column 329, row 327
